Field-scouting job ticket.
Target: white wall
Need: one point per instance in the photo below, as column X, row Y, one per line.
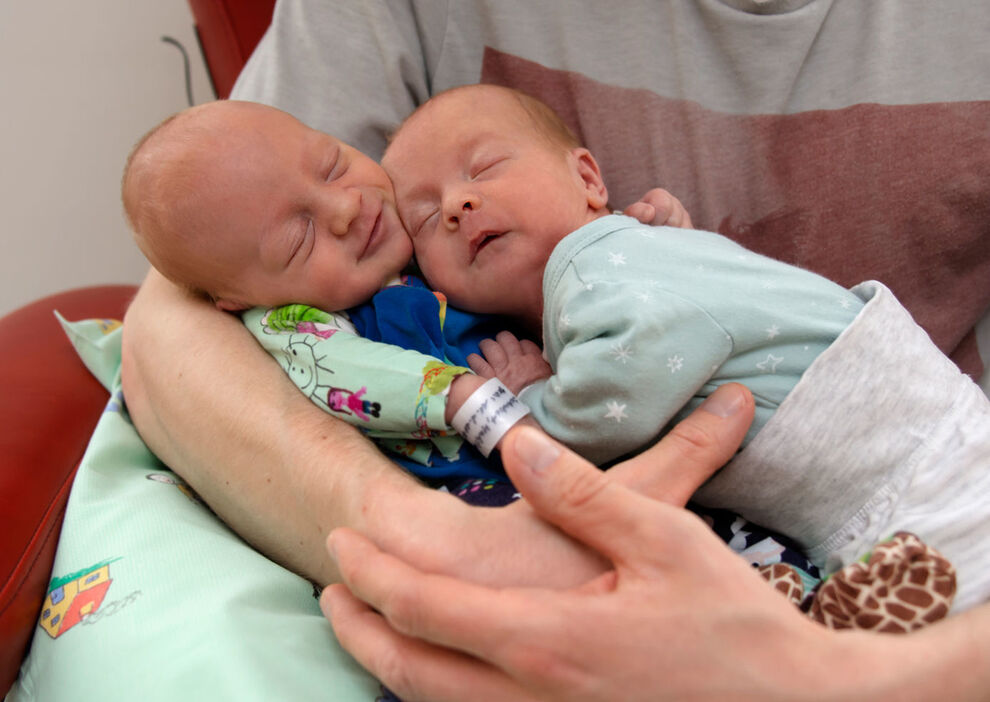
column 80, row 82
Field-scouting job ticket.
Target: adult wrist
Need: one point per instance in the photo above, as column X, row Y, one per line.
column 424, row 527
column 937, row 663
column 948, row 660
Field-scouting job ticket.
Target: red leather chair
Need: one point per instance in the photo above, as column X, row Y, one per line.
column 48, row 408
column 49, row 402
column 228, row 31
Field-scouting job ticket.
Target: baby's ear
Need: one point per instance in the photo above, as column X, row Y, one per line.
column 591, row 176
column 230, row 305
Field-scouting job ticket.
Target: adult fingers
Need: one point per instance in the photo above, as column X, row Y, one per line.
column 571, row 493
column 693, row 450
column 669, row 210
column 412, row 668
column 679, row 217
column 439, row 609
column 663, row 202
column 642, row 211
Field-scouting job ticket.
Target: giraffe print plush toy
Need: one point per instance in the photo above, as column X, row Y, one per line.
column 902, row 585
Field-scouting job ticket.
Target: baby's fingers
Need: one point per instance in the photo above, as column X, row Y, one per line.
column 494, row 354
column 480, row 366
column 509, row 343
column 530, row 348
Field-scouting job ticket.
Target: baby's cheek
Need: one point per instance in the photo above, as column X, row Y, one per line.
column 441, row 280
column 430, row 264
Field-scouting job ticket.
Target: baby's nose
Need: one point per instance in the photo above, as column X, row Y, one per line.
column 343, row 206
column 457, row 207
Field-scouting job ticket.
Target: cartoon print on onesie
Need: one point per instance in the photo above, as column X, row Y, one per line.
column 347, row 402
column 308, row 373
column 305, row 325
column 437, row 378
column 304, row 319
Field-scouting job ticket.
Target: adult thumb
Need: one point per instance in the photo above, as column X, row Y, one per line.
column 700, row 444
column 574, row 495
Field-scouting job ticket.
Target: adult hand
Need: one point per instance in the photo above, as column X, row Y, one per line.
column 658, row 207
column 441, row 535
column 677, row 615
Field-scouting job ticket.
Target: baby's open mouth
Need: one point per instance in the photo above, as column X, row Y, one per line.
column 485, row 240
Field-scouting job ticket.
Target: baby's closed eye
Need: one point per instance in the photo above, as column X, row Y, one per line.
column 423, row 221
column 485, row 165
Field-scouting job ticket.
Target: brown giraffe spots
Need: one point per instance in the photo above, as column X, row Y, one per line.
column 902, row 585
column 785, row 580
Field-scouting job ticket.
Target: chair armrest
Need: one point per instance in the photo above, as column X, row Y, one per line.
column 49, row 404
column 228, row 31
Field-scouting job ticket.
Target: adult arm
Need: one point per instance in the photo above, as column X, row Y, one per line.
column 214, row 407
column 677, row 616
column 203, row 394
column 220, row 412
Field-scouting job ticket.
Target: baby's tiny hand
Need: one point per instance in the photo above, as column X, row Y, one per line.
column 516, row 363
column 658, row 207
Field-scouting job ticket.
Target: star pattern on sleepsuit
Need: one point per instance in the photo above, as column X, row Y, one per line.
column 621, row 352
column 769, row 365
column 616, row 258
column 773, row 331
column 675, row 362
column 616, row 411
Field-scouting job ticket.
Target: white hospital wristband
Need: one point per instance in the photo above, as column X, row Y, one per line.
column 487, row 414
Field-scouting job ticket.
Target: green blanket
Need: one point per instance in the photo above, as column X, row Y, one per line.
column 152, row 597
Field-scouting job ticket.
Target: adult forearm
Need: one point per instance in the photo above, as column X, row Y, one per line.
column 950, row 661
column 679, row 616
column 221, row 413
column 217, row 410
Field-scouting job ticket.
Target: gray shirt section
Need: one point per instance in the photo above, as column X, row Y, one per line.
column 882, row 433
column 743, row 56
